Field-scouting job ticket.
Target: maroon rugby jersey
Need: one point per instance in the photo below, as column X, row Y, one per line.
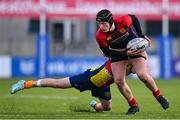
column 123, row 32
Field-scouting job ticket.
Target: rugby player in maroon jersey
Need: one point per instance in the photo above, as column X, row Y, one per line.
column 112, row 36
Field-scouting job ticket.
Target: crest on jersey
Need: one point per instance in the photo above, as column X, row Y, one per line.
column 122, row 30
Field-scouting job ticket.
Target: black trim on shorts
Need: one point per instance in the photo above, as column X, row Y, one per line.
column 118, row 58
column 125, row 57
column 137, row 56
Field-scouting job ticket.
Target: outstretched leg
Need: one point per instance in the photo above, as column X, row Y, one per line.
column 47, row 82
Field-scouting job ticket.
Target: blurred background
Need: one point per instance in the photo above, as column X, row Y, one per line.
column 44, row 38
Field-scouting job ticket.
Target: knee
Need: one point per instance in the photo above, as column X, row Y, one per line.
column 143, row 76
column 120, row 82
column 56, row 84
column 107, row 107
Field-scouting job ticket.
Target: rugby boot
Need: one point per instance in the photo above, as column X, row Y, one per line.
column 93, row 103
column 132, row 110
column 163, row 101
column 17, row 86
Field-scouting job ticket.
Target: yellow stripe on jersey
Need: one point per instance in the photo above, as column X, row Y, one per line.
column 101, row 78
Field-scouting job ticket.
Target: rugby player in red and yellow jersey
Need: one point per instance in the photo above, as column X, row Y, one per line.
column 113, row 36
column 97, row 80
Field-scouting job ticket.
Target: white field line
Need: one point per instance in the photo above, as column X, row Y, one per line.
column 42, row 96
column 43, row 115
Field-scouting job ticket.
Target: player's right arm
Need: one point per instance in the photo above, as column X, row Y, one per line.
column 103, row 44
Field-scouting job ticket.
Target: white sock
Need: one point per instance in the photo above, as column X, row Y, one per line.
column 39, row 83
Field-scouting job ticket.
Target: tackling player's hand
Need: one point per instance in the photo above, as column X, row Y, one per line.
column 149, row 41
column 133, row 52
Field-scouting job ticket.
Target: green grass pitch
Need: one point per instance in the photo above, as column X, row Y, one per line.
column 50, row 103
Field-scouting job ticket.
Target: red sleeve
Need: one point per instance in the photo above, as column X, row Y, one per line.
column 125, row 21
column 101, row 39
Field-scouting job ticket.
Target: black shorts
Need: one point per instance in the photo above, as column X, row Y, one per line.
column 125, row 57
column 82, row 82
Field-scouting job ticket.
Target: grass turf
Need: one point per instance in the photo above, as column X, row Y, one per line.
column 50, row 103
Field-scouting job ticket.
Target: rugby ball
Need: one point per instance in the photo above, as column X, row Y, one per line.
column 137, row 44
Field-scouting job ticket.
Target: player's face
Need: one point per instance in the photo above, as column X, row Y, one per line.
column 104, row 26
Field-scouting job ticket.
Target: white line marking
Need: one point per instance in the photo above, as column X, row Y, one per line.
column 43, row 115
column 41, row 96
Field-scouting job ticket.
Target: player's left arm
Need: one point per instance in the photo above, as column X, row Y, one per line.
column 137, row 26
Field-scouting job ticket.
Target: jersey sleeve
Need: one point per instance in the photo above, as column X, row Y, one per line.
column 126, row 21
column 136, row 25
